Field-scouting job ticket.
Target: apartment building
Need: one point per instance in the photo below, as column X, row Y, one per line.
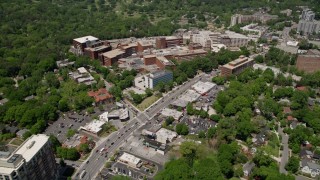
column 237, row 66
column 307, row 23
column 256, row 17
column 34, row 159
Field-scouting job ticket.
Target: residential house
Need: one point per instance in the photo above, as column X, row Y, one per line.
column 309, row 167
column 101, row 96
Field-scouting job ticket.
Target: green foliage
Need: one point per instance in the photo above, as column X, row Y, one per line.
column 120, row 177
column 169, row 120
column 219, row 80
column 211, row 132
column 70, row 133
column 182, row 129
column 293, row 164
column 55, row 142
column 176, row 169
column 202, row 134
column 68, row 153
column 84, row 148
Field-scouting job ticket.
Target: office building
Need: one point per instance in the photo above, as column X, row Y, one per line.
column 153, row 79
column 309, row 62
column 237, row 66
column 307, row 15
column 33, row 159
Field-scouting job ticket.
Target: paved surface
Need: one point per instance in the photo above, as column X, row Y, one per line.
column 285, row 151
column 96, row 161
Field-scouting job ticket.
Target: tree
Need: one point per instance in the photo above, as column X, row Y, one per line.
column 148, row 92
column 207, row 169
column 202, row 134
column 55, row 142
column 169, row 120
column 137, row 98
column 62, row 163
column 293, row 164
column 219, row 80
column 84, row 148
column 70, row 133
column 211, row 132
column 259, row 59
column 120, row 177
column 188, row 149
column 175, row 169
column 182, row 129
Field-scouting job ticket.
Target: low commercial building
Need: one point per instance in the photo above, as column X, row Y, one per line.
column 171, row 112
column 309, row 62
column 101, row 96
column 157, row 146
column 131, row 160
column 203, row 87
column 122, row 114
column 144, row 45
column 33, row 159
column 179, row 103
column 94, row 127
column 165, row 136
column 237, row 66
column 190, row 96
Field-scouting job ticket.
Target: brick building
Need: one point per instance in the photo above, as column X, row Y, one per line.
column 144, row 45
column 83, row 42
column 97, row 48
column 169, row 41
column 237, row 66
column 101, row 96
column 309, row 62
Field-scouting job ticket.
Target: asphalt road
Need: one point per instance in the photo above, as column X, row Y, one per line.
column 285, row 151
column 96, row 160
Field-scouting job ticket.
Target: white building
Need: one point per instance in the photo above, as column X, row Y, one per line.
column 33, row 159
column 190, row 96
column 311, row 168
column 104, row 117
column 203, row 87
column 165, row 136
column 94, row 126
column 171, row 112
column 153, row 79
column 130, row 159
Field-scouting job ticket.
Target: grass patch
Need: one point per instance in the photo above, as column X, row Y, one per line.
column 147, row 102
column 17, row 142
column 272, row 148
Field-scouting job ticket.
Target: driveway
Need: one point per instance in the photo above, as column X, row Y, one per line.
column 285, row 151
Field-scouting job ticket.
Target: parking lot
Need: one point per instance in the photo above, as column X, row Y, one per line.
column 73, row 120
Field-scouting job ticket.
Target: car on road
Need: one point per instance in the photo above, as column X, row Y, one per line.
column 112, row 143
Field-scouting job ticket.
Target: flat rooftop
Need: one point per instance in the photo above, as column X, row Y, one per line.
column 85, row 39
column 238, row 62
column 158, row 74
column 203, row 87
column 171, row 112
column 113, row 53
column 31, row 146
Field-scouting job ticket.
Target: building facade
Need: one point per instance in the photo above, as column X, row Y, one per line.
column 237, row 66
column 34, row 159
column 153, row 79
column 309, row 62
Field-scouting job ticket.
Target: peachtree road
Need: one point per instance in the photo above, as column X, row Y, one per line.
column 97, row 160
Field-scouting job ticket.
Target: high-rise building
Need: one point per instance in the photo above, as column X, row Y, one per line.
column 33, row 159
column 307, row 23
column 153, row 79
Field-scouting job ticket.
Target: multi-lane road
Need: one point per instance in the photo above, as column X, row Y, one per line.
column 97, row 160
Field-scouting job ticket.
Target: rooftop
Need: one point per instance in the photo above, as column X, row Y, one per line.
column 129, row 158
column 159, row 74
column 203, row 87
column 190, row 96
column 113, row 53
column 171, row 112
column 85, row 39
column 31, row 146
column 238, row 62
column 94, row 126
column 100, row 95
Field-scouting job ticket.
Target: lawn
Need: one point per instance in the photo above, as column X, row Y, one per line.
column 147, row 102
column 273, row 146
